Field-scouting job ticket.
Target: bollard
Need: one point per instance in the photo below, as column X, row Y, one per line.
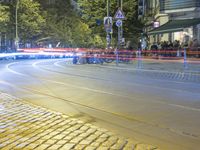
column 117, row 57
column 185, row 59
column 139, row 64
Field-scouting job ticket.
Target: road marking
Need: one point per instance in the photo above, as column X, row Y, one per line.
column 81, row 87
column 61, row 66
column 13, row 71
column 89, row 89
column 57, row 64
column 184, row 107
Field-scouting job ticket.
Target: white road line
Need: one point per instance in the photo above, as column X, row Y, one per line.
column 184, row 107
column 104, row 92
column 13, row 71
column 61, row 66
column 58, row 65
column 164, row 88
column 36, row 63
column 81, row 87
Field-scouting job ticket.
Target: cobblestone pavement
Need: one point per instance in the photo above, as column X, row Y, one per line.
column 160, row 70
column 166, row 71
column 24, row 126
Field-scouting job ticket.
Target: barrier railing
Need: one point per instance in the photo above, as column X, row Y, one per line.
column 128, row 55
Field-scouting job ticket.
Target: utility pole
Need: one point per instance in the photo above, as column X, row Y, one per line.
column 108, row 35
column 16, row 26
column 119, row 16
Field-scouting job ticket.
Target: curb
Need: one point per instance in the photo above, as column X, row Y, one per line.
column 26, row 126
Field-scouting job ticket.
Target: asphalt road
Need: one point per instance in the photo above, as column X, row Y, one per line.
column 146, row 106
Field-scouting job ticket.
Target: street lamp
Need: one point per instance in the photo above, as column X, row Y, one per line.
column 108, row 36
column 16, row 26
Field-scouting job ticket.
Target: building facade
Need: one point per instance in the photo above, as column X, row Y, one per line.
column 170, row 20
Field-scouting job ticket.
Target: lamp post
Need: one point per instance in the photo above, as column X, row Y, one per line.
column 16, row 26
column 120, row 32
column 108, row 35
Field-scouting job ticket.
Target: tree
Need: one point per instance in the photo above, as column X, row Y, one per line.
column 91, row 10
column 64, row 25
column 30, row 20
column 4, row 17
column 92, row 13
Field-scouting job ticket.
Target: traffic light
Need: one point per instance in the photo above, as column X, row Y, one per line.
column 140, row 8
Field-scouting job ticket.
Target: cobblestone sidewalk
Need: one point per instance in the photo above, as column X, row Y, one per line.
column 24, row 126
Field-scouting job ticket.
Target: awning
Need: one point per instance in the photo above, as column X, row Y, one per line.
column 174, row 26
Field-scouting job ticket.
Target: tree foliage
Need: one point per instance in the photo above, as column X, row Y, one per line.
column 73, row 23
column 91, row 10
column 4, row 17
column 63, row 25
column 30, row 19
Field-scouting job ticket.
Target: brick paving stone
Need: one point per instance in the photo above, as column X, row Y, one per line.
column 104, row 136
column 40, row 141
column 2, row 145
column 69, row 137
column 85, row 134
column 90, row 148
column 66, row 132
column 79, row 147
column 119, row 145
column 98, row 133
column 113, row 138
column 103, row 148
column 31, row 146
column 73, row 134
column 95, row 144
column 109, row 143
column 68, row 146
column 72, row 123
column 20, row 146
column 62, row 142
column 100, row 140
column 84, row 128
column 75, row 127
column 61, row 129
column 76, row 139
column 54, row 147
column 78, row 132
column 92, row 137
column 86, row 142
column 26, row 126
column 46, row 137
column 50, row 141
column 59, row 137
column 54, row 133
column 3, row 139
column 91, row 130
column 10, row 146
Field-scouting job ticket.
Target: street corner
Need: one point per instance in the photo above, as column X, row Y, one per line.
column 27, row 126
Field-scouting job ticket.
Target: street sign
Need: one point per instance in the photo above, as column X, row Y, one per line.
column 118, row 23
column 108, row 30
column 108, row 22
column 119, row 14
